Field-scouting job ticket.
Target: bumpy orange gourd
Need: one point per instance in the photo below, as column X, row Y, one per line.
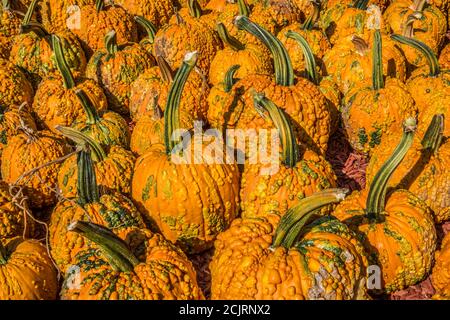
column 9, row 24
column 12, row 219
column 444, row 57
column 62, row 14
column 157, row 12
column 27, row 272
column 440, row 276
column 255, row 260
column 56, row 102
column 15, row 89
column 136, row 264
column 398, row 232
column 112, row 210
column 189, row 197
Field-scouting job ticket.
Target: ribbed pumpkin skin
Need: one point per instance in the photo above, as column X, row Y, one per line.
column 328, row 264
column 116, row 74
column 189, row 203
column 12, row 222
column 58, row 15
column 23, row 154
column 35, row 55
column 369, row 115
column 275, row 194
column 157, row 12
column 303, row 102
column 55, row 105
column 15, row 88
column 441, row 271
column 113, row 211
column 349, row 67
column 29, row 273
column 428, row 177
column 402, row 245
column 95, row 25
column 113, row 174
column 164, row 272
column 150, row 85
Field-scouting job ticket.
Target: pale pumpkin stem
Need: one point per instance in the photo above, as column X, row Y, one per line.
column 29, row 14
column 148, row 27
column 284, row 73
column 292, row 223
column 88, row 107
column 171, row 113
column 310, row 61
column 360, row 4
column 84, row 141
column 228, row 39
column 99, row 5
column 432, row 60
column 408, row 26
column 229, row 80
column 157, row 112
column 434, row 135
column 361, row 45
column 194, row 8
column 35, row 27
column 243, row 8
column 289, row 145
column 313, row 17
column 111, row 44
column 6, row 5
column 377, row 62
column 166, row 70
column 418, row 5
column 3, row 259
column 87, row 188
column 114, row 249
column 376, row 200
column 61, row 63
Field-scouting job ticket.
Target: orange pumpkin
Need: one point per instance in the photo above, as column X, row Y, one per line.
column 441, row 271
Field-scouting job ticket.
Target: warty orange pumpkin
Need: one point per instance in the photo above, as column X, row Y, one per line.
column 15, row 89
column 13, row 222
column 440, row 276
column 61, row 14
column 9, row 24
column 158, row 12
column 444, row 57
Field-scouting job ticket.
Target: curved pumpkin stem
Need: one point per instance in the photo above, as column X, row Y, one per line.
column 166, row 71
column 157, row 112
column 432, row 138
column 87, row 188
column 243, row 8
column 408, row 26
column 229, row 80
column 29, row 14
column 194, row 8
column 313, row 17
column 284, row 73
column 99, row 5
column 377, row 62
column 148, row 27
column 61, row 63
column 360, row 44
column 171, row 113
column 114, row 249
column 292, row 223
column 228, row 39
column 111, row 44
column 432, row 60
column 83, row 141
column 88, row 107
column 418, row 5
column 289, row 145
column 360, row 4
column 310, row 61
column 376, row 200
column 3, row 259
column 35, row 27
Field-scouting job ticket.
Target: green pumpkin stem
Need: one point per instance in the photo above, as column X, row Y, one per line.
column 3, row 259
column 243, row 8
column 289, row 145
column 61, row 63
column 111, row 44
column 30, row 11
column 114, row 249
column 376, row 200
column 166, row 70
column 360, row 4
column 87, row 188
column 313, row 17
column 310, row 61
column 432, row 60
column 377, row 62
column 148, row 27
column 284, row 73
column 293, row 222
column 88, row 107
column 194, row 8
column 229, row 80
column 171, row 113
column 99, row 5
column 228, row 39
column 434, row 135
column 35, row 27
column 84, row 141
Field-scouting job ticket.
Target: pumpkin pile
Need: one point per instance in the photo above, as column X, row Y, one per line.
column 140, row 137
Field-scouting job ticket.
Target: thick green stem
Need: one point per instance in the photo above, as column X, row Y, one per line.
column 435, row 133
column 376, row 200
column 284, row 73
column 35, row 27
column 30, row 11
column 3, row 259
column 111, row 44
column 148, row 27
column 84, row 141
column 229, row 80
column 194, row 8
column 310, row 61
column 243, row 8
column 99, row 5
column 114, row 249
column 313, row 17
column 288, row 143
column 88, row 107
column 228, row 39
column 292, row 223
column 87, row 188
column 172, row 112
column 432, row 60
column 61, row 63
column 166, row 71
column 360, row 4
column 377, row 62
